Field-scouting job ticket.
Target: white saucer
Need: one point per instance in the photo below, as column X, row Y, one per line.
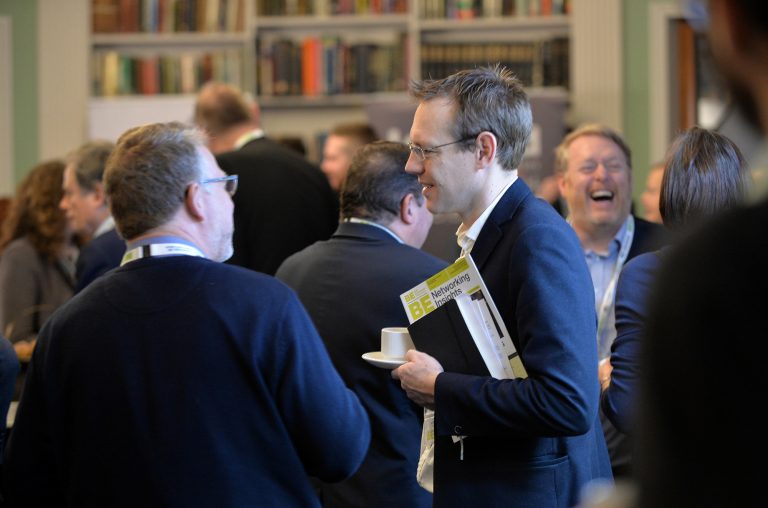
column 378, row 359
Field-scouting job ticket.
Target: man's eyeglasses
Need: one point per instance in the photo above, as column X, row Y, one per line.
column 230, row 183
column 422, row 152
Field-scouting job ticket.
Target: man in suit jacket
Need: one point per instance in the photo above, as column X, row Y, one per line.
column 350, row 286
column 177, row 380
column 525, row 442
column 87, row 210
column 284, row 202
column 593, row 166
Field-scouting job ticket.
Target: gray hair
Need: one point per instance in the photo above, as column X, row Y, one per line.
column 148, row 173
column 377, row 183
column 88, row 163
column 486, row 99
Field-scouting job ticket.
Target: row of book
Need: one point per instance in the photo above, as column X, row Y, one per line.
column 535, row 63
column 318, row 66
column 120, row 74
column 470, row 9
column 329, row 7
column 168, row 16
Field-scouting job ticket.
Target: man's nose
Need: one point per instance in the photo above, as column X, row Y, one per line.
column 413, row 165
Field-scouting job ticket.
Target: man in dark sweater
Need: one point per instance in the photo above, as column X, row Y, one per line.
column 177, row 380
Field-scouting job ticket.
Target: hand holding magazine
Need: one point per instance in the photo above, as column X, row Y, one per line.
column 468, row 335
column 453, row 319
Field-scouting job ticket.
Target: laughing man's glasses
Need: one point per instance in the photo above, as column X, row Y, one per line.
column 230, row 183
column 423, row 152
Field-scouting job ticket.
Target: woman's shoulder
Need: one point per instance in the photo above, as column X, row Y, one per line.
column 20, row 249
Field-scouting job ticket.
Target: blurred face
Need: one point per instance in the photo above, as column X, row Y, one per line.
column 650, row 196
column 449, row 181
column 221, row 208
column 336, row 160
column 596, row 185
column 85, row 210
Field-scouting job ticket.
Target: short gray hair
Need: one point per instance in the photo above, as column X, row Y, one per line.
column 148, row 173
column 88, row 163
column 487, row 99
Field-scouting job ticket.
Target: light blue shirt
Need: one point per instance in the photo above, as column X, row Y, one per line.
column 601, row 268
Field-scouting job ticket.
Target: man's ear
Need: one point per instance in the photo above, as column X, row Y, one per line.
column 407, row 210
column 193, row 201
column 486, row 148
column 99, row 194
column 560, row 176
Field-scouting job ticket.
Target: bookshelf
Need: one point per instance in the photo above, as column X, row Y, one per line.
column 319, row 61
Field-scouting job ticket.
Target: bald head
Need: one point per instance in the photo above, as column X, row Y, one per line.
column 222, row 111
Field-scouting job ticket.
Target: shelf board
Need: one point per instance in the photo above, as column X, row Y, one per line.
column 175, row 38
column 330, row 101
column 558, row 23
column 339, row 21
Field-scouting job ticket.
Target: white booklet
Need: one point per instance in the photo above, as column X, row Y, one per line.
column 480, row 314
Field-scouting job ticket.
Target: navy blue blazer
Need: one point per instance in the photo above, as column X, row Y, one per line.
column 283, row 204
column 350, row 285
column 99, row 256
column 531, row 442
column 632, row 293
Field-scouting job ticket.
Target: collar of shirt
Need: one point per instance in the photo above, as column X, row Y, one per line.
column 109, row 223
column 615, row 246
column 466, row 236
column 356, row 220
column 248, row 136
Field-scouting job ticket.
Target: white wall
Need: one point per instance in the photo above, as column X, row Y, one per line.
column 63, row 35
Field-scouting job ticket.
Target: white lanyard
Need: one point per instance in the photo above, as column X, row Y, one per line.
column 607, row 304
column 161, row 249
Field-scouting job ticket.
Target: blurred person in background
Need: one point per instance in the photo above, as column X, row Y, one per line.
column 85, row 204
column 594, row 170
column 650, row 195
column 284, row 203
column 340, row 147
column 36, row 257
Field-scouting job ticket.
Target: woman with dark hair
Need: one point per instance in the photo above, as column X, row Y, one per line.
column 36, row 270
column 704, row 174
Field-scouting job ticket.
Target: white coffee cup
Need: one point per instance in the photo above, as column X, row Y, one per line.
column 395, row 341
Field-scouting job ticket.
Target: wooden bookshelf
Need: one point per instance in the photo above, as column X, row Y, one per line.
column 323, row 49
column 395, row 41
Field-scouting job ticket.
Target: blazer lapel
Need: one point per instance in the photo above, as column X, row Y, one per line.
column 491, row 232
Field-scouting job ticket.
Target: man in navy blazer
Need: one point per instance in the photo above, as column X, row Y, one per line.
column 525, row 442
column 85, row 204
column 350, row 286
